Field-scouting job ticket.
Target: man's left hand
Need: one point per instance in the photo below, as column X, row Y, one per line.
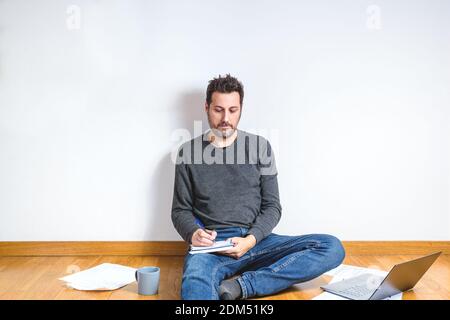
column 241, row 246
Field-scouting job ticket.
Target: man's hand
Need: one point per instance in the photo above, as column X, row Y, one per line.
column 203, row 238
column 241, row 246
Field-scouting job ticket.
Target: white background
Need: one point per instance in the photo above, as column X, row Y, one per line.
column 354, row 96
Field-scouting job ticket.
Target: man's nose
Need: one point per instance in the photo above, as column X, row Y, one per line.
column 226, row 116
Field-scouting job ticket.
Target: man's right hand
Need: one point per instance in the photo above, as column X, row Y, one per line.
column 203, row 238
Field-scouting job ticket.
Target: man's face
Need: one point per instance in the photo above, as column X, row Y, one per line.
column 224, row 113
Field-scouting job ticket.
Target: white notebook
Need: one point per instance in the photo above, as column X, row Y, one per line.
column 217, row 246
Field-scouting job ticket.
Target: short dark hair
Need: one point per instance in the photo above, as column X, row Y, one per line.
column 225, row 84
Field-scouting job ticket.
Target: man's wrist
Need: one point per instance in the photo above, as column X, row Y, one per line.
column 251, row 239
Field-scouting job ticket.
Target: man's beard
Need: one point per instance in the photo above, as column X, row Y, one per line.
column 218, row 132
column 226, row 133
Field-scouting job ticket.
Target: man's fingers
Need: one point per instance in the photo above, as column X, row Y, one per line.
column 198, row 240
column 201, row 243
column 205, row 242
column 205, row 235
column 213, row 233
column 208, row 242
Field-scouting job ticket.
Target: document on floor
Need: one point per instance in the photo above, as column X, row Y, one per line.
column 344, row 272
column 106, row 276
column 217, row 246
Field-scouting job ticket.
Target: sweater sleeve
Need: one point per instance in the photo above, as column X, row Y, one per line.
column 183, row 217
column 270, row 211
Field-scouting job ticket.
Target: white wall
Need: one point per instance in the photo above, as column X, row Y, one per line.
column 357, row 96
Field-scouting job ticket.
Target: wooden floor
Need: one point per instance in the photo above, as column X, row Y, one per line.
column 37, row 277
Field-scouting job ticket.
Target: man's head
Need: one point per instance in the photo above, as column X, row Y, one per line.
column 224, row 97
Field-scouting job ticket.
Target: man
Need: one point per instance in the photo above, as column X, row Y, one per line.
column 226, row 188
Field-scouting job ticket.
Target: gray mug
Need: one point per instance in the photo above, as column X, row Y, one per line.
column 148, row 280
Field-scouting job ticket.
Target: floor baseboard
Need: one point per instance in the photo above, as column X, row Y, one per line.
column 177, row 248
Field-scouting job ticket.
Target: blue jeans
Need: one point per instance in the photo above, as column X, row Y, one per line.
column 272, row 265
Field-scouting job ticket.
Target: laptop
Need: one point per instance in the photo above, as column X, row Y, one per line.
column 402, row 277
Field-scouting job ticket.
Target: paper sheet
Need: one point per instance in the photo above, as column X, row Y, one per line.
column 344, row 272
column 106, row 276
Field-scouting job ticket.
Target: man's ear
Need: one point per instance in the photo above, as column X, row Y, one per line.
column 206, row 107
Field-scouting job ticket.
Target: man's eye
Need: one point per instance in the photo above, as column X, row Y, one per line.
column 218, row 110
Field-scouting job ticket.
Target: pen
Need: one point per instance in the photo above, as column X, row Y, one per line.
column 199, row 223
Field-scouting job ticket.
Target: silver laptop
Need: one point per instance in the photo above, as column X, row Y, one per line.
column 402, row 277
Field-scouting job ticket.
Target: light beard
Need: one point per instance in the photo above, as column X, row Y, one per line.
column 224, row 134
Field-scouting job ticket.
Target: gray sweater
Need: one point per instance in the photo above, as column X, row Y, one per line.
column 223, row 187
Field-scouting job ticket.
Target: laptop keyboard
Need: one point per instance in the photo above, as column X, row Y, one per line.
column 357, row 291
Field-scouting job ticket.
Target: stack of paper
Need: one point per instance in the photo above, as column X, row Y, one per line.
column 106, row 276
column 344, row 272
column 217, row 246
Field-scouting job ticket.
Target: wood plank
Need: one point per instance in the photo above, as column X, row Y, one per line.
column 178, row 248
column 45, row 283
column 37, row 277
